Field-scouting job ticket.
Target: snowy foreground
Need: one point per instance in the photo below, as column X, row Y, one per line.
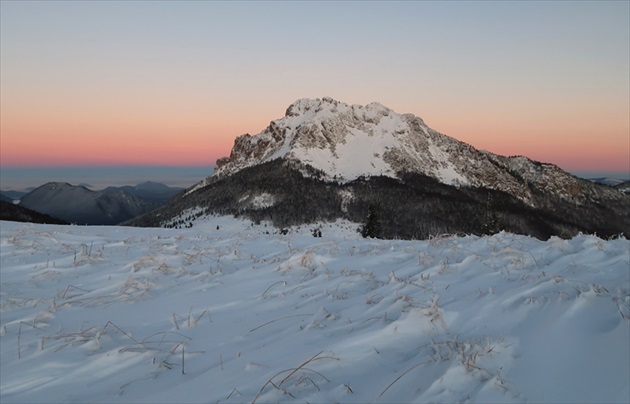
column 114, row 314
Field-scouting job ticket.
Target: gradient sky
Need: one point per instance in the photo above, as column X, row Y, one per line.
column 173, row 83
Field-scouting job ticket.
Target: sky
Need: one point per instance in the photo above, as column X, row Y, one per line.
column 142, row 83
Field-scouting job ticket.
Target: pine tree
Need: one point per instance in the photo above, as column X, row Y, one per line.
column 490, row 223
column 372, row 226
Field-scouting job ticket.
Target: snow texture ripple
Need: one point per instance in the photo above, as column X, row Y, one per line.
column 224, row 312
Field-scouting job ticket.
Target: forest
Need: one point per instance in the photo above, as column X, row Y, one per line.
column 412, row 206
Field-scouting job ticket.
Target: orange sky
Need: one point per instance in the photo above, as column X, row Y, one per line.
column 52, row 136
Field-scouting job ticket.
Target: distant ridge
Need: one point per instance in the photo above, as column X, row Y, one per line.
column 79, row 205
column 608, row 181
column 154, row 193
column 15, row 213
column 12, row 195
column 6, row 198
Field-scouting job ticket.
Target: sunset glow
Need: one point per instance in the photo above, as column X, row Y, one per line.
column 173, row 83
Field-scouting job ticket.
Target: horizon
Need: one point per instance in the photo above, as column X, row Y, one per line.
column 174, row 83
column 101, row 177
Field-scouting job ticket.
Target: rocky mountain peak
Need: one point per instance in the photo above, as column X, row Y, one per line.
column 326, row 160
column 346, row 142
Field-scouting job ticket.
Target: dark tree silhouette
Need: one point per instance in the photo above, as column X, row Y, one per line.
column 372, row 226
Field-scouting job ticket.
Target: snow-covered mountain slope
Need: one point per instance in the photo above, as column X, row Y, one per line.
column 224, row 312
column 349, row 141
column 345, row 142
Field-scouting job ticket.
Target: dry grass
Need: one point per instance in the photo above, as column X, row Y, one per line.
column 292, row 371
column 401, row 376
column 278, row 319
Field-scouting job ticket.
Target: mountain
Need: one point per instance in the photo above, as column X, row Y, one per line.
column 154, row 193
column 13, row 195
column 347, row 142
column 326, row 159
column 616, row 183
column 77, row 204
column 5, row 198
column 607, row 181
column 15, row 213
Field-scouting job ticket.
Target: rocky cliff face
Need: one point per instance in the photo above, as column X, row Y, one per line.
column 345, row 142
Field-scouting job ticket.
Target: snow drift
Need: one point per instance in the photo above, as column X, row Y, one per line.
column 231, row 312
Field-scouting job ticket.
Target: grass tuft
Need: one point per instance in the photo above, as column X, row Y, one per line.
column 278, row 319
column 292, row 372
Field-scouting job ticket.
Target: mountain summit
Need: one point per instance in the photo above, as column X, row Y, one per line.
column 346, row 142
column 343, row 141
column 326, row 160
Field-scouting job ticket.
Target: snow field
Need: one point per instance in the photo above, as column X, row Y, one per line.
column 114, row 314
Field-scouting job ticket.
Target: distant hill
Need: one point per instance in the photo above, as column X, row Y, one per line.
column 154, row 193
column 80, row 205
column 623, row 187
column 5, row 198
column 616, row 183
column 77, row 204
column 612, row 182
column 16, row 213
column 13, row 195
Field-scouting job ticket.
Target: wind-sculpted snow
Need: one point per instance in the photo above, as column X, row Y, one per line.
column 224, row 312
